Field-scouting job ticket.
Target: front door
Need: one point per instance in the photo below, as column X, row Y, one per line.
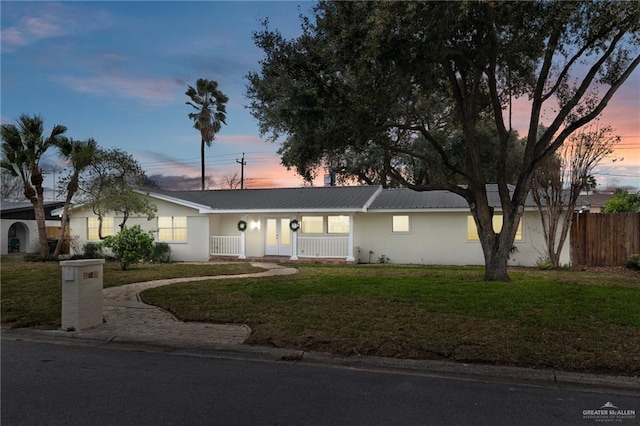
column 278, row 237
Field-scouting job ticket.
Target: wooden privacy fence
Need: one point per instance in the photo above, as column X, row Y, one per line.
column 604, row 239
column 54, row 232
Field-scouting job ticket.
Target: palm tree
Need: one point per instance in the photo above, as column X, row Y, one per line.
column 209, row 103
column 23, row 145
column 79, row 155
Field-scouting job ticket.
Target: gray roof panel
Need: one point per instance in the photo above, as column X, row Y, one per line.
column 7, row 206
column 347, row 198
column 403, row 198
column 350, row 198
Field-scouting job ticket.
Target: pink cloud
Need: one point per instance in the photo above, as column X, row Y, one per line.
column 51, row 20
column 151, row 92
column 43, row 27
column 13, row 37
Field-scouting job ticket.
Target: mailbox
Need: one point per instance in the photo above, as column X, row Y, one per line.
column 82, row 282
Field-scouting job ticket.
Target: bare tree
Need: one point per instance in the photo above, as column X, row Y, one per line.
column 557, row 183
column 10, row 187
column 232, row 181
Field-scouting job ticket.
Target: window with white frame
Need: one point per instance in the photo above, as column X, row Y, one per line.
column 108, row 226
column 312, row 225
column 400, row 224
column 172, row 228
column 472, row 229
column 338, row 224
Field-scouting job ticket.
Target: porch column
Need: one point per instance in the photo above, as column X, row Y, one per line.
column 350, row 257
column 294, row 244
column 243, row 240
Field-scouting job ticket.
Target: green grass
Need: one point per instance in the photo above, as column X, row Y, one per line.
column 586, row 321
column 570, row 320
column 31, row 292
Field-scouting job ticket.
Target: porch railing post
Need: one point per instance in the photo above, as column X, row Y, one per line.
column 294, row 246
column 350, row 257
column 243, row 237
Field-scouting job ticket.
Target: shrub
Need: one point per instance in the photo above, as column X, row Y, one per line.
column 35, row 257
column 622, row 201
column 161, row 253
column 131, row 245
column 633, row 262
column 544, row 264
column 92, row 251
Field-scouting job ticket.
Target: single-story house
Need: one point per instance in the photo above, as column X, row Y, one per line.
column 18, row 225
column 593, row 203
column 366, row 224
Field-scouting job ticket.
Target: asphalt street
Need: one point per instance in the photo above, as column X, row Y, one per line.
column 55, row 384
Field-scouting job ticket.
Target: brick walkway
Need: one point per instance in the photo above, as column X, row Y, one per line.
column 126, row 317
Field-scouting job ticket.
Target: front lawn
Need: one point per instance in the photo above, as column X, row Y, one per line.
column 32, row 291
column 568, row 320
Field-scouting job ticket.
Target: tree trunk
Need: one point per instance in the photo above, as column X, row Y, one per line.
column 38, row 209
column 496, row 267
column 35, row 194
column 496, row 247
column 63, row 223
column 496, row 253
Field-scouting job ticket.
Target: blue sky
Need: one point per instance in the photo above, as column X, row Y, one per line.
column 118, row 71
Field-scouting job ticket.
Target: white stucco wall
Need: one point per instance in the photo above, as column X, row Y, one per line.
column 439, row 238
column 226, row 225
column 196, row 248
column 27, row 234
column 435, row 237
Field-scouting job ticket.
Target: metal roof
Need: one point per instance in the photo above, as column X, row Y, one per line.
column 339, row 198
column 594, row 200
column 345, row 198
column 402, row 198
column 12, row 206
column 407, row 199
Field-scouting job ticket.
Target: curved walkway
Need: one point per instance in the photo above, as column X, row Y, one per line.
column 126, row 317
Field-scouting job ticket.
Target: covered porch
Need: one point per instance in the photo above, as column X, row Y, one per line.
column 282, row 238
column 302, row 248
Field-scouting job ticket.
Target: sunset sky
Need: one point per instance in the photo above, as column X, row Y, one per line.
column 117, row 72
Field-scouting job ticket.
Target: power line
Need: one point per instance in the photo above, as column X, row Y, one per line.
column 242, row 164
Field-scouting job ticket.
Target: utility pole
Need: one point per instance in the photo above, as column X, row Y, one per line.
column 242, row 164
column 55, row 169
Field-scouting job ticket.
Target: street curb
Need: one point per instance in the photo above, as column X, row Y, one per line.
column 435, row 368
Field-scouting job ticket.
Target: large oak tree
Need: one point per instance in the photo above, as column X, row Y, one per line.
column 397, row 75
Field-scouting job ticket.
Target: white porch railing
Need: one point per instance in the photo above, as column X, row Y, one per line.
column 323, row 246
column 226, row 246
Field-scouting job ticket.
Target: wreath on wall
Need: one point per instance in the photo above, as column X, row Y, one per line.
column 294, row 225
column 242, row 226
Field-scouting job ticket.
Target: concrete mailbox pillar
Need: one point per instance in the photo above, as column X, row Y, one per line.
column 81, row 293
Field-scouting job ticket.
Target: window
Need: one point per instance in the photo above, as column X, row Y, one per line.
column 472, row 230
column 312, row 225
column 92, row 227
column 338, row 224
column 172, row 228
column 400, row 224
